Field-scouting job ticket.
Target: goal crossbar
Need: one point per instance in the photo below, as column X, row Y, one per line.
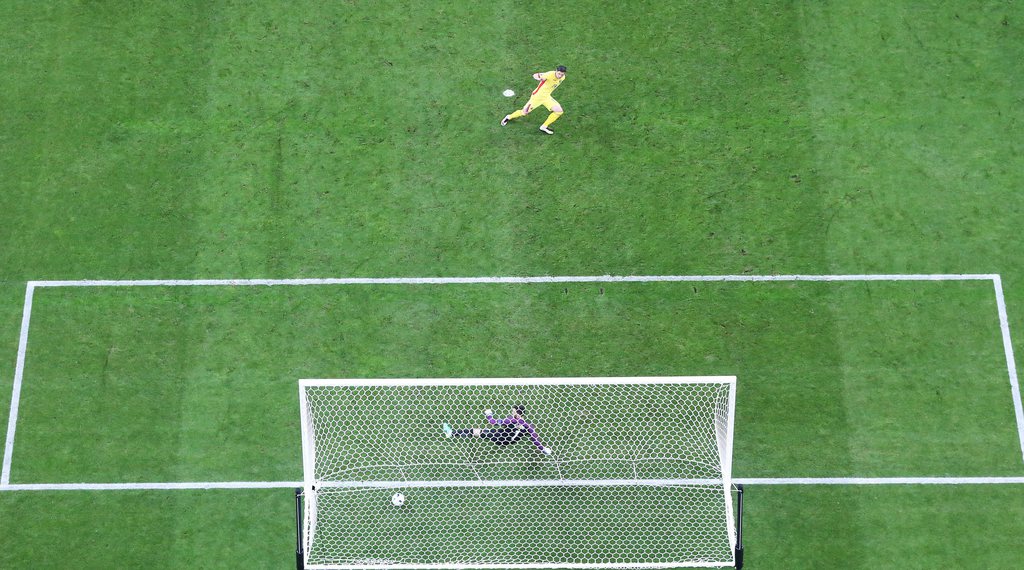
column 568, row 381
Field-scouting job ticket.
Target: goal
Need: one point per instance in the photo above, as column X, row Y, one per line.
column 517, row 473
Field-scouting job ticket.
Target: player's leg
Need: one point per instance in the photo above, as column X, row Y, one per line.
column 556, row 111
column 469, row 432
column 513, row 436
column 500, row 436
column 524, row 111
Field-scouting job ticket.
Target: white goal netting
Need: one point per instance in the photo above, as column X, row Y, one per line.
column 518, row 473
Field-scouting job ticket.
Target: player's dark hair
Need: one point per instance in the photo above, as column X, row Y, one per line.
column 560, row 68
column 520, row 409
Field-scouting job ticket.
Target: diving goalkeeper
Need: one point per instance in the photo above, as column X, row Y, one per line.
column 512, row 430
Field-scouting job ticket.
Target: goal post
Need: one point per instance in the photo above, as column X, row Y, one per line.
column 517, row 473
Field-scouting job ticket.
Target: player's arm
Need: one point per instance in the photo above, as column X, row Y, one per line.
column 536, row 439
column 538, row 76
column 490, row 418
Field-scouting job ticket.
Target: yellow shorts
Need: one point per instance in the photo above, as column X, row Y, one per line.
column 545, row 101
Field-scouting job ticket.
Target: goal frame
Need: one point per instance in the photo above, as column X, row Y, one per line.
column 305, row 508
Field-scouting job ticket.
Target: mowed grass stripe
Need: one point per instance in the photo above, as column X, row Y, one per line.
column 915, row 111
column 100, row 138
column 150, row 529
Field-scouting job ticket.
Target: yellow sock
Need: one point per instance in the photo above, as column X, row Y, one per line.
column 516, row 114
column 551, row 119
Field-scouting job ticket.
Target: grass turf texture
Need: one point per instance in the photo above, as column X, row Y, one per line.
column 218, row 140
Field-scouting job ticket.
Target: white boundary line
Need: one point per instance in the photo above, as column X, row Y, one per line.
column 514, row 483
column 216, row 485
column 152, row 486
column 19, row 372
column 512, row 280
column 881, row 481
column 1011, row 364
column 32, row 285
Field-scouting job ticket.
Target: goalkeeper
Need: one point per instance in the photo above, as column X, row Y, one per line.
column 512, row 430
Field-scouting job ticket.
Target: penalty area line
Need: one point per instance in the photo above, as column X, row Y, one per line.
column 19, row 372
column 509, row 280
column 151, row 486
column 880, row 481
column 5, row 473
column 1011, row 364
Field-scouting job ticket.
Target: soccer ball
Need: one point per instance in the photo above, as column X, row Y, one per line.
column 508, row 93
column 398, row 499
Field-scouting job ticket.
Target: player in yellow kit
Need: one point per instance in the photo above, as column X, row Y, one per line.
column 542, row 96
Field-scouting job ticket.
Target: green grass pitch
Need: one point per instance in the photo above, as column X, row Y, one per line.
column 187, row 140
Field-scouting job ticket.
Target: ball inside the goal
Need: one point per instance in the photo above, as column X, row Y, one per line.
column 398, row 499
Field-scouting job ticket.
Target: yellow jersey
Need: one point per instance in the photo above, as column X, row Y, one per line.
column 548, row 83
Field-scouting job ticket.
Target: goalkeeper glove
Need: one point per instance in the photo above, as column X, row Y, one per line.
column 488, row 412
column 546, row 450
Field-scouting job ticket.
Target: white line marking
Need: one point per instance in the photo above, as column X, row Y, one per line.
column 19, row 371
column 1011, row 364
column 377, row 563
column 296, row 484
column 882, row 481
column 474, row 483
column 23, row 341
column 492, row 280
column 152, row 486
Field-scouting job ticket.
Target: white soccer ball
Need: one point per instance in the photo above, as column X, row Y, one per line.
column 508, row 93
column 398, row 499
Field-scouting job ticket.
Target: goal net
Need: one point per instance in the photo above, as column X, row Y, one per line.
column 518, row 473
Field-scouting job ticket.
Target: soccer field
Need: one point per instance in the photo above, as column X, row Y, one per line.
column 821, row 199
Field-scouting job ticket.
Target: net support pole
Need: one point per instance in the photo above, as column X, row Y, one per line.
column 738, row 553
column 299, row 558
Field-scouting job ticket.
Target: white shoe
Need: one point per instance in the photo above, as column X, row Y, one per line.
column 547, row 130
column 505, row 121
column 447, row 430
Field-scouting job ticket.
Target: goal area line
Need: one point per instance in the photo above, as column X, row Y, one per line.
column 753, row 481
column 31, row 286
column 496, row 483
column 377, row 563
